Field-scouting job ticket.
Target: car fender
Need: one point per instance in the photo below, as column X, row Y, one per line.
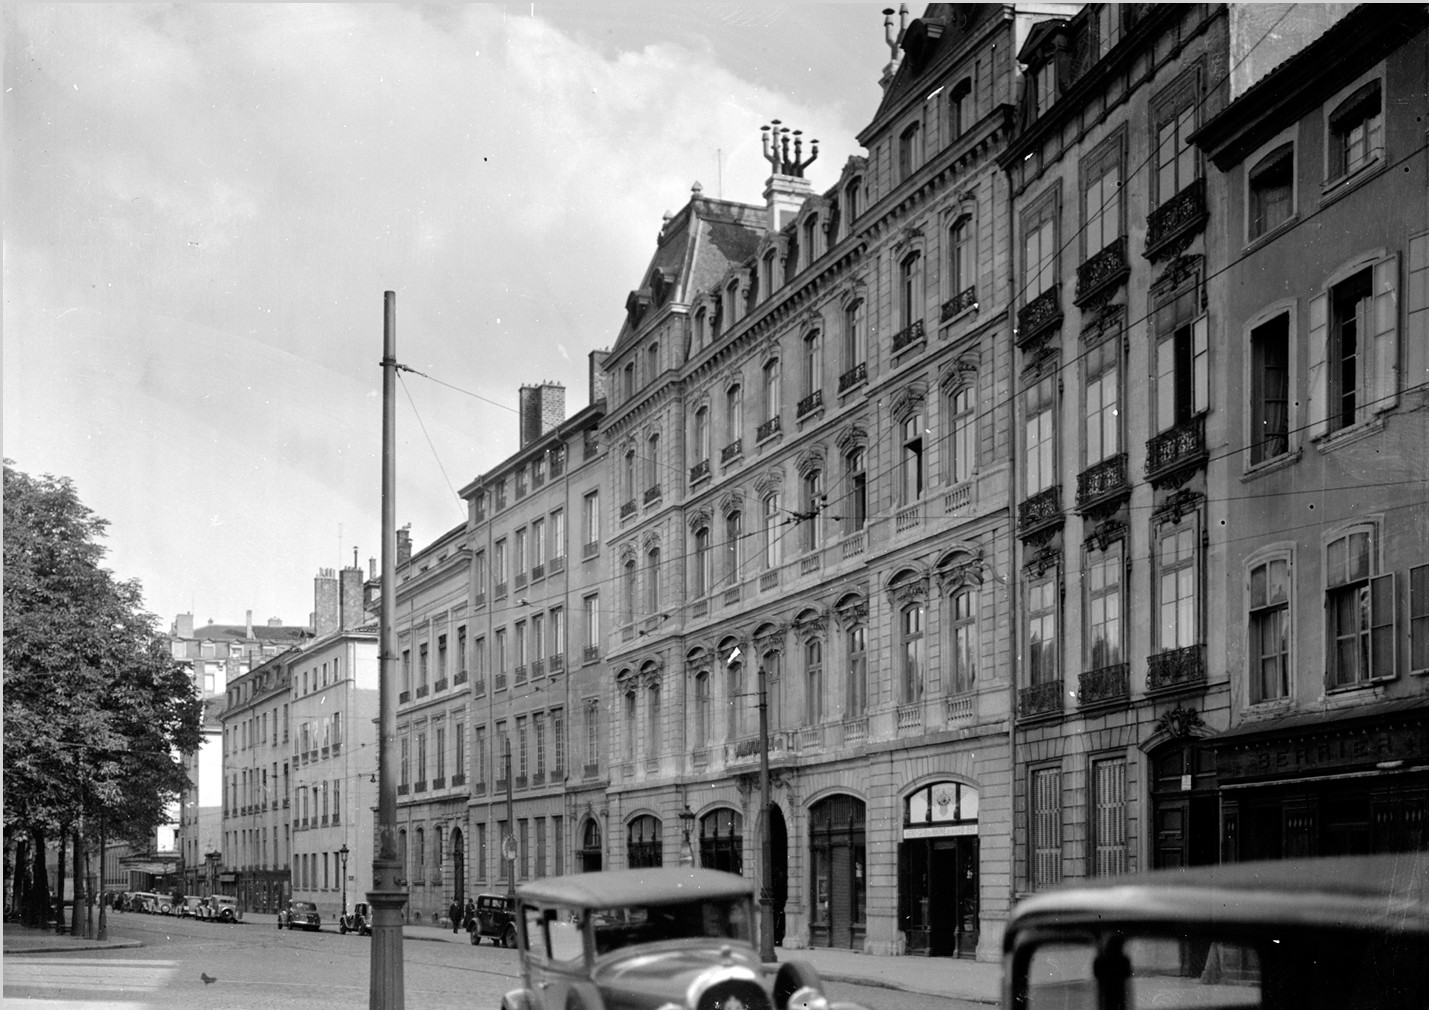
column 582, row 995
column 711, row 977
column 520, row 999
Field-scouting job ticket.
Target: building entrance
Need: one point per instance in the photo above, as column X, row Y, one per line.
column 938, row 871
column 1185, row 808
column 838, row 862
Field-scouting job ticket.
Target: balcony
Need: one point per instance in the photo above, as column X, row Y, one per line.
column 855, row 376
column 908, row 336
column 769, row 429
column 500, row 682
column 811, row 402
column 700, row 609
column 855, row 730
column 699, row 471
column 810, row 563
column 538, row 668
column 908, row 518
column 1176, row 669
column 590, row 654
column 1101, row 273
column 959, row 708
column 404, row 697
column 458, row 780
column 423, row 691
column 853, row 544
column 1039, row 317
column 440, row 685
column 590, row 550
column 478, row 687
column 558, row 662
column 520, row 580
column 1174, row 455
column 1104, row 686
column 556, row 565
column 1176, row 221
column 520, row 782
column 1041, row 511
column 500, row 591
column 420, row 786
column 653, row 494
column 1040, row 700
column 538, row 572
column 440, row 782
column 500, row 785
column 538, row 778
column 628, row 509
column 402, row 790
column 769, row 580
column 1102, row 482
column 959, row 498
column 460, row 677
column 700, row 758
column 958, row 304
column 478, row 789
column 478, row 600
column 811, row 737
column 521, row 673
column 731, row 596
column 910, row 718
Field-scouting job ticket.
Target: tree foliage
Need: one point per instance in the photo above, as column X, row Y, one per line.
column 96, row 712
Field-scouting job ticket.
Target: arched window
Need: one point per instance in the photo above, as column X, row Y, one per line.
column 962, row 412
column 771, row 283
column 813, row 682
column 813, row 367
column 652, row 716
column 627, row 477
column 652, row 465
column 853, row 207
column 855, row 470
column 652, row 581
column 772, row 535
column 703, row 575
column 731, row 302
column 962, row 263
column 629, row 713
column 702, row 708
column 771, row 389
column 811, row 236
column 734, row 700
column 910, row 150
column 643, row 843
column 910, row 289
column 733, row 546
column 701, row 335
column 590, row 847
column 854, row 349
column 773, row 662
column 629, row 592
column 912, row 463
column 421, row 836
column 911, row 646
column 630, row 380
column 722, row 841
column 402, row 852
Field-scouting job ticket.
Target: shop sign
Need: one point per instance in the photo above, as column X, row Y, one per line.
column 1329, row 751
column 939, row 831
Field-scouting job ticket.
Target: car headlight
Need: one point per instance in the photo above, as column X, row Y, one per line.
column 807, row 999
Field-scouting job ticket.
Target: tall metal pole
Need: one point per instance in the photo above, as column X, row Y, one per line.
column 385, row 989
column 766, row 898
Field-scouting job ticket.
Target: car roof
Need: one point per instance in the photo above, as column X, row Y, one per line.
column 615, row 888
column 1382, row 892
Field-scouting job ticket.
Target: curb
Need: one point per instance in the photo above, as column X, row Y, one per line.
column 880, row 983
column 70, row 948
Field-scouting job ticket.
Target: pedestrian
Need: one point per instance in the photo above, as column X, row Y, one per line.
column 454, row 913
column 469, row 919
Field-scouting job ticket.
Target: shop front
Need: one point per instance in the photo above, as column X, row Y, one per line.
column 838, row 861
column 938, row 871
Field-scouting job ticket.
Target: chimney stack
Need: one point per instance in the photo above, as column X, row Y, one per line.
column 542, row 408
column 404, row 545
column 327, row 616
column 350, row 596
column 599, row 381
column 184, row 626
column 249, row 633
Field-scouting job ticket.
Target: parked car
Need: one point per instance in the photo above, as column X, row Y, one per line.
column 143, row 901
column 189, row 909
column 359, row 920
column 300, row 915
column 1321, row 934
column 674, row 938
column 220, row 908
column 495, row 918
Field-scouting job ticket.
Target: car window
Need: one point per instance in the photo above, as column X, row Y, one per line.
column 565, row 938
column 1164, row 972
column 534, row 927
column 713, row 919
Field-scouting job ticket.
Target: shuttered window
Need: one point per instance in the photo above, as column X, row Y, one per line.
column 1109, row 817
column 1046, row 823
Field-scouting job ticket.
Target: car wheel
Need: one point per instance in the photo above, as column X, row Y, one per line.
column 508, row 938
column 793, row 976
column 342, row 928
column 475, row 938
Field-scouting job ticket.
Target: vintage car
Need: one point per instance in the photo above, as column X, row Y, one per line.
column 189, row 909
column 300, row 915
column 1316, row 934
column 359, row 920
column 495, row 918
column 652, row 939
column 142, row 901
column 220, row 908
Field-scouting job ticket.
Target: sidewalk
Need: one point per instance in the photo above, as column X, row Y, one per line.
column 977, row 981
column 22, row 939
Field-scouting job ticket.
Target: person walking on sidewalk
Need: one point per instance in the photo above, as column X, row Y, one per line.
column 454, row 913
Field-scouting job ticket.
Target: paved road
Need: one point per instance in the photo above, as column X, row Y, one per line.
column 256, row 966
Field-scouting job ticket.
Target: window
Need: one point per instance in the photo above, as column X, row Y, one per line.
column 538, row 733
column 422, row 757
column 702, row 708
column 1356, row 131
column 652, row 461
column 652, row 716
column 652, row 581
column 701, row 328
column 1108, row 817
column 771, row 389
column 962, row 410
column 1103, row 408
column 910, row 289
column 912, row 461
column 481, row 753
column 1104, row 606
column 501, row 656
column 558, row 741
column 522, row 657
column 1107, row 25
column 856, row 645
column 592, row 733
column 440, row 739
column 733, row 414
column 1045, row 830
column 1177, row 586
column 1272, row 191
column 960, row 108
column 628, row 700
column 1350, row 350
column 538, row 637
column 590, row 518
column 700, row 440
column 962, row 261
column 813, row 682
column 499, row 566
column 628, row 597
column 538, row 542
column 735, row 700
column 1042, row 597
column 814, row 503
column 406, row 768
column 910, row 150
column 459, row 738
column 1269, row 645
column 772, row 536
column 558, row 633
column 1419, row 619
column 627, row 479
column 1182, row 380
column 851, row 202
column 652, row 360
column 962, row 663
column 1101, row 200
column 911, row 647
column 702, row 574
column 854, row 351
column 522, row 741
column 1359, row 611
column 1270, row 389
column 441, row 657
column 733, row 536
column 811, row 237
column 774, row 690
column 1040, row 445
column 855, row 469
column 1039, row 255
column 591, row 631
column 1175, row 156
column 813, row 363
column 630, row 380
column 558, row 534
column 1044, row 87
column 461, row 666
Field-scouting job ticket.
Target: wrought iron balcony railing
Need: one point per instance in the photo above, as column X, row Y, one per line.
column 700, row 471
column 909, row 335
column 1182, row 216
column 1101, row 481
column 770, row 427
column 959, row 303
column 1179, row 449
column 1104, row 685
column 1040, row 510
column 627, row 509
column 1039, row 699
column 653, row 494
column 731, row 451
column 1102, row 272
column 1174, row 669
column 1039, row 316
column 811, row 402
column 853, row 377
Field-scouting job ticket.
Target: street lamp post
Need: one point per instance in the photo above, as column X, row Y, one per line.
column 343, row 852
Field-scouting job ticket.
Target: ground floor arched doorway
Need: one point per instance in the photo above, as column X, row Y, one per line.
column 778, row 869
column 838, row 872
column 938, row 871
column 458, row 867
column 590, row 847
column 1185, row 807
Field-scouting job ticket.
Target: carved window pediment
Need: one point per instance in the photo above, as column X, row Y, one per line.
column 731, row 503
column 957, row 374
column 907, row 587
column 699, row 517
column 768, row 482
column 907, row 402
column 811, row 461
column 852, row 437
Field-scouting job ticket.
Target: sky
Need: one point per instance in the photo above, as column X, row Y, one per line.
column 204, row 204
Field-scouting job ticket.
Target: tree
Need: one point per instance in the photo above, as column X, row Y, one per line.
column 96, row 712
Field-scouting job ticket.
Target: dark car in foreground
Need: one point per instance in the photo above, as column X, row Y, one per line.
column 652, row 939
column 495, row 918
column 300, row 915
column 1344, row 933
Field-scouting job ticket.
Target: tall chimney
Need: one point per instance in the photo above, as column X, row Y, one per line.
column 249, row 632
column 542, row 408
column 404, row 545
column 599, row 380
column 184, row 626
column 350, row 588
column 327, row 616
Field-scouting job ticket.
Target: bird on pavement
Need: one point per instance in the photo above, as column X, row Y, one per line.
column 207, row 979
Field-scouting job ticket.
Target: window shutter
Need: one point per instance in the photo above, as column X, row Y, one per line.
column 1318, row 375
column 1200, row 339
column 1385, row 390
column 1381, row 627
